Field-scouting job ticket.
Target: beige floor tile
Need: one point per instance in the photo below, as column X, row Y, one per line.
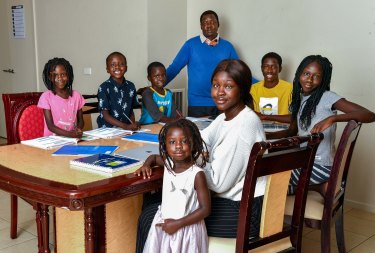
column 30, row 246
column 30, row 226
column 25, row 210
column 359, row 226
column 311, row 246
column 4, row 224
column 365, row 247
column 6, row 241
column 352, row 240
column 361, row 214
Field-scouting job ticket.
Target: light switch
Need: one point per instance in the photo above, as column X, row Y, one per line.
column 87, row 71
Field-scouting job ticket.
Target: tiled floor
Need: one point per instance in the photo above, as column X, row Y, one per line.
column 359, row 231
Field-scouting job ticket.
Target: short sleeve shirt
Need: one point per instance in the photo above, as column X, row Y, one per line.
column 326, row 150
column 64, row 111
column 118, row 99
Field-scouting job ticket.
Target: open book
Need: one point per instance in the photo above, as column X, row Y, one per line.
column 107, row 132
column 50, row 142
column 201, row 123
column 104, row 163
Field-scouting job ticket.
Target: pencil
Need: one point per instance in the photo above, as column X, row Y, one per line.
column 179, row 114
column 131, row 122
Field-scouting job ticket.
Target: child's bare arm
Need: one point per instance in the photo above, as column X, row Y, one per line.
column 351, row 111
column 171, row 226
column 76, row 133
column 146, row 169
column 80, row 122
column 279, row 118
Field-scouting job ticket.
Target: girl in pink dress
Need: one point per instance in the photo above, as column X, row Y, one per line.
column 178, row 225
column 62, row 106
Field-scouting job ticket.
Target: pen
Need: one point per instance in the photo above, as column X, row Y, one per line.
column 179, row 114
column 131, row 122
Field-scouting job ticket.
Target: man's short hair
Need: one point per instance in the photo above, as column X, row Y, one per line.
column 210, row 12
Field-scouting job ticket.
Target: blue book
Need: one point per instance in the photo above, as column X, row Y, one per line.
column 104, row 163
column 84, row 150
column 143, row 137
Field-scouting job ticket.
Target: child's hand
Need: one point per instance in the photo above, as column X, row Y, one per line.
column 134, row 127
column 76, row 133
column 322, row 125
column 144, row 171
column 170, row 226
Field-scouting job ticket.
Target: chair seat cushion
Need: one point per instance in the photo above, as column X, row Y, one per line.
column 228, row 245
column 31, row 124
column 314, row 205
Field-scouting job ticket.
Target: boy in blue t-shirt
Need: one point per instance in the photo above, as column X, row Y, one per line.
column 117, row 96
column 157, row 104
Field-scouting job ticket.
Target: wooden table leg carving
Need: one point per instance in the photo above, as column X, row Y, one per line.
column 42, row 224
column 89, row 231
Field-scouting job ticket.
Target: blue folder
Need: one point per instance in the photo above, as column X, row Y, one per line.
column 143, row 137
column 84, row 150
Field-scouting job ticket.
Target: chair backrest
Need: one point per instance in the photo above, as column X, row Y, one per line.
column 339, row 172
column 277, row 167
column 22, row 116
column 91, row 104
column 90, row 108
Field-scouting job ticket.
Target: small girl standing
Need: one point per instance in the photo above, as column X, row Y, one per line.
column 62, row 106
column 178, row 225
column 314, row 109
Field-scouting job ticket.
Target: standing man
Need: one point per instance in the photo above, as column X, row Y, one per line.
column 202, row 54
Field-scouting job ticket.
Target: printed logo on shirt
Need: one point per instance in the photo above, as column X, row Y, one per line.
column 269, row 106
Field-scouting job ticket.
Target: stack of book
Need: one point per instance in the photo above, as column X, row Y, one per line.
column 50, row 142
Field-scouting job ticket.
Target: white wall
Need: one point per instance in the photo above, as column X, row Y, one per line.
column 85, row 32
column 343, row 31
column 167, row 26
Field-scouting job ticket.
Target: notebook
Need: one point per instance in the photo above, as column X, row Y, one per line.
column 143, row 137
column 107, row 132
column 141, row 153
column 104, row 163
column 50, row 142
column 201, row 123
column 84, row 150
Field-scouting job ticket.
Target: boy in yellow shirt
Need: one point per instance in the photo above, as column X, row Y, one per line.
column 272, row 96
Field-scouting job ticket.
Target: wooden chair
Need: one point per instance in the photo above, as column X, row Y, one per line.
column 326, row 206
column 274, row 235
column 23, row 121
column 90, row 108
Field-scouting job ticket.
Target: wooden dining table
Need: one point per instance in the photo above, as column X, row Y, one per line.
column 94, row 213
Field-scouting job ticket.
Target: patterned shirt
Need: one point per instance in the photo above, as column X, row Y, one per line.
column 118, row 99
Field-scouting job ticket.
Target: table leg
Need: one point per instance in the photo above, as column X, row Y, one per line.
column 42, row 224
column 89, row 231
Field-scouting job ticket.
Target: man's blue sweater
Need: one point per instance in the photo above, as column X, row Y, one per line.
column 201, row 60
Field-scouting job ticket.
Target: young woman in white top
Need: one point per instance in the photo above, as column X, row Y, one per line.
column 229, row 139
